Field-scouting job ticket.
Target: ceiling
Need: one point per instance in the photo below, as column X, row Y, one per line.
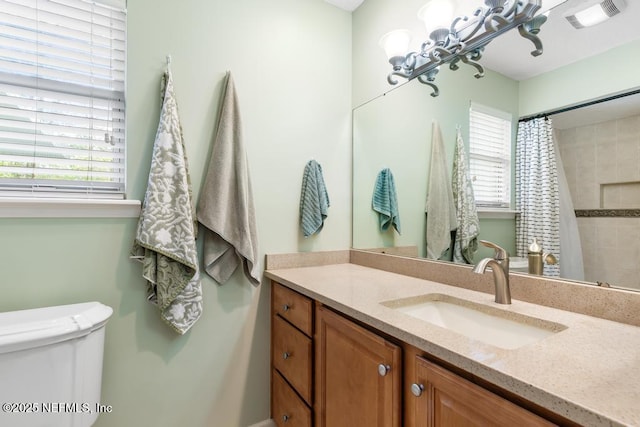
column 510, row 55
column 563, row 44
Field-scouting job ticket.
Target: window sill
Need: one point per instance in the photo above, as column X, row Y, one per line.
column 16, row 207
column 496, row 213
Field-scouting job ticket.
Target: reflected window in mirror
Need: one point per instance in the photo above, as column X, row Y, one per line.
column 490, row 156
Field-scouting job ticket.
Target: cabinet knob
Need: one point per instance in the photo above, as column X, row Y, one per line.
column 286, row 307
column 417, row 389
column 285, row 418
column 383, row 369
column 286, row 355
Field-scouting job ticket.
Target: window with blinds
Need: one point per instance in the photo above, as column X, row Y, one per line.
column 62, row 106
column 490, row 156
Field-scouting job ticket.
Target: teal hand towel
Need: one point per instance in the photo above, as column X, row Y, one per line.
column 385, row 201
column 314, row 199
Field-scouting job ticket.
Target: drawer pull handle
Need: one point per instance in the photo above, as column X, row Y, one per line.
column 286, row 307
column 383, row 369
column 417, row 389
column 285, row 418
column 286, row 355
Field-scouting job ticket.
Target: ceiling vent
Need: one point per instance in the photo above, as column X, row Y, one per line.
column 595, row 13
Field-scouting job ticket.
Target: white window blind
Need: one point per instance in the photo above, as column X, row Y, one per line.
column 62, row 105
column 490, row 156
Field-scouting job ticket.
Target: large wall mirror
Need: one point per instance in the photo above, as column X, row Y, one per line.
column 599, row 145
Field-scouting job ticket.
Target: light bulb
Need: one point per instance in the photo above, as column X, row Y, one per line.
column 436, row 14
column 396, row 43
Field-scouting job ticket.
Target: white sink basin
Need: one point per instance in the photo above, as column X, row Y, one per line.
column 500, row 328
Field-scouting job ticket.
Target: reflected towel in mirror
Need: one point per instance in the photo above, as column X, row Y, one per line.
column 385, row 201
column 441, row 212
column 468, row 224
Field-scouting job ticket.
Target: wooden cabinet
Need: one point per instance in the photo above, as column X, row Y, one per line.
column 329, row 371
column 439, row 398
column 358, row 375
column 291, row 358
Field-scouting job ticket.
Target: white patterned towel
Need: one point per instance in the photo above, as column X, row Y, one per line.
column 468, row 223
column 165, row 241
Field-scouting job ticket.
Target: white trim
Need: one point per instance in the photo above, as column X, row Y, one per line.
column 16, row 207
column 265, row 423
column 497, row 213
column 118, row 4
column 504, row 115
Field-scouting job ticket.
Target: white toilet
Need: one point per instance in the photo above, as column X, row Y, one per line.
column 51, row 365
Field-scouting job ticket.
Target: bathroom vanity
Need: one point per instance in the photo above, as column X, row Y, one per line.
column 351, row 345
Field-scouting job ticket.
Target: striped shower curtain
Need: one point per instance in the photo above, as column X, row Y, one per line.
column 537, row 198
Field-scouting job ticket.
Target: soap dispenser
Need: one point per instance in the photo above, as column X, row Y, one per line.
column 537, row 258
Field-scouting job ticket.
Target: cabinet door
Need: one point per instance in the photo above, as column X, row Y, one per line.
column 358, row 375
column 446, row 399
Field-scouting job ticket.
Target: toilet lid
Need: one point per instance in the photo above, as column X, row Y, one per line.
column 20, row 330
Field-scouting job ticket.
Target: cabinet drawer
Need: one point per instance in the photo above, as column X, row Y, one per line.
column 292, row 356
column 294, row 307
column 287, row 410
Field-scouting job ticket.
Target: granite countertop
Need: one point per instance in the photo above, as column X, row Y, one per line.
column 588, row 372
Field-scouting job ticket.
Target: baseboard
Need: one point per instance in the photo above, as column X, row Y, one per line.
column 265, row 423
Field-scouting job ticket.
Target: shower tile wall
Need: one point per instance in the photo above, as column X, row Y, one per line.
column 602, row 165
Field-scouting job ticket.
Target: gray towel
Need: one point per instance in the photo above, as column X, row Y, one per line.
column 226, row 207
column 314, row 200
column 441, row 212
column 385, row 201
column 165, row 240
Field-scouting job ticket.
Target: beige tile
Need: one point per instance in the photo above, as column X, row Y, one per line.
column 629, row 127
column 610, row 197
column 630, row 196
column 627, row 160
column 566, row 137
column 607, row 236
column 586, row 158
column 585, row 134
column 606, row 131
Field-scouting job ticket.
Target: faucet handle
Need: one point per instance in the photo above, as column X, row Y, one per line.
column 500, row 254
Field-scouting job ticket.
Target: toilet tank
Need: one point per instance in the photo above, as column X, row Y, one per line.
column 51, row 365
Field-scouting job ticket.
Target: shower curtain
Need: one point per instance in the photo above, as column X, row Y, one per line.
column 572, row 266
column 537, row 198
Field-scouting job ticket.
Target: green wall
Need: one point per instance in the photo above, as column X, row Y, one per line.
column 613, row 71
column 291, row 61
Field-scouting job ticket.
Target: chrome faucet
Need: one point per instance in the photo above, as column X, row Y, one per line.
column 500, row 266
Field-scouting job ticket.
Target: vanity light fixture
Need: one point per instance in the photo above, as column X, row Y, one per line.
column 596, row 13
column 463, row 40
